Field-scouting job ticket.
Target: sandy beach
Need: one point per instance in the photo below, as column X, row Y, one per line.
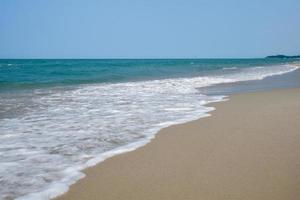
column 247, row 149
column 149, row 100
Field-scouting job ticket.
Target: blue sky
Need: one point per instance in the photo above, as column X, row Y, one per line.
column 148, row 28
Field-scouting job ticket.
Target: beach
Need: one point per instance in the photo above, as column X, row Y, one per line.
column 247, row 149
column 149, row 100
column 123, row 132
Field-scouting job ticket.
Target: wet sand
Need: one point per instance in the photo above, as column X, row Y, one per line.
column 249, row 149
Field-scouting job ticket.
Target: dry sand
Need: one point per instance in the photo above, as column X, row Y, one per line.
column 249, row 149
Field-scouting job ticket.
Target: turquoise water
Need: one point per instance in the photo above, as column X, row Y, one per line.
column 40, row 73
column 58, row 117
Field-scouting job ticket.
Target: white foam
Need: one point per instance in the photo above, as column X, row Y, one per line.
column 65, row 131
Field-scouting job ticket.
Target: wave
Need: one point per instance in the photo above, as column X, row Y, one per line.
column 77, row 128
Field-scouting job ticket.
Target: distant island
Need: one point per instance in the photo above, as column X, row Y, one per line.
column 283, row 56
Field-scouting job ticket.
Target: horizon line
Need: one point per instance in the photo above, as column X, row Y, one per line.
column 120, row 58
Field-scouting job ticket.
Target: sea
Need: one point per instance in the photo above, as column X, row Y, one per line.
column 60, row 116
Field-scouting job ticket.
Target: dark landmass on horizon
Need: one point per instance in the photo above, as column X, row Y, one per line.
column 283, row 56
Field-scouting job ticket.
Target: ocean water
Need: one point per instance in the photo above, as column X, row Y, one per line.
column 58, row 117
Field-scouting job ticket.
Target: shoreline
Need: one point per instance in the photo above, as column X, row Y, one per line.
column 75, row 172
column 112, row 181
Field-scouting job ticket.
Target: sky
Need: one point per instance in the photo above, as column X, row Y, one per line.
column 148, row 28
